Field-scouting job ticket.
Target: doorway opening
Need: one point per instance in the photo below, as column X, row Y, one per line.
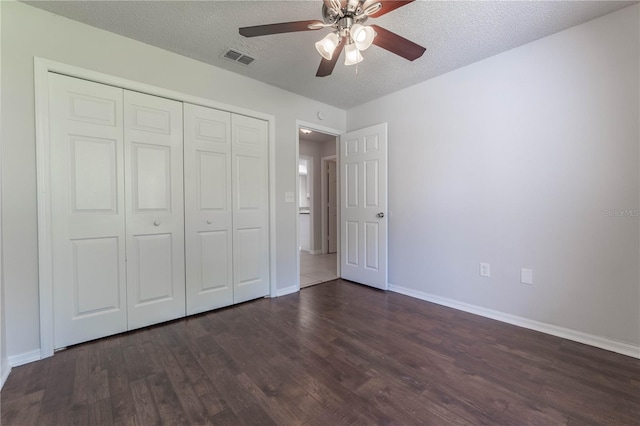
column 318, row 240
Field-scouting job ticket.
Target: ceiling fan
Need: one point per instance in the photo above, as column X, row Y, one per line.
column 347, row 18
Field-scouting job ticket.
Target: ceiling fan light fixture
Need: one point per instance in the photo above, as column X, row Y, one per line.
column 327, row 45
column 352, row 55
column 362, row 36
column 336, row 7
column 347, row 20
column 372, row 9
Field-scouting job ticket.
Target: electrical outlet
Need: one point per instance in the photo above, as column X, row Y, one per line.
column 289, row 197
column 526, row 276
column 485, row 270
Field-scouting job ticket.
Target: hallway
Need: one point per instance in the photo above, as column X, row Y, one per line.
column 316, row 269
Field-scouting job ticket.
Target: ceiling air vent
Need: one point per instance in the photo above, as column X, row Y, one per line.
column 244, row 59
column 235, row 56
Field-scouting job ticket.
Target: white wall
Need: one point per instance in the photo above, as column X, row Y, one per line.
column 4, row 360
column 515, row 161
column 5, row 369
column 29, row 32
column 328, row 148
column 317, row 150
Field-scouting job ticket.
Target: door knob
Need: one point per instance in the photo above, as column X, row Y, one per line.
column 380, row 214
column 208, row 221
column 156, row 223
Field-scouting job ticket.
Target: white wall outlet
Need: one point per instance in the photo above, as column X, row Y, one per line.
column 485, row 270
column 526, row 276
column 289, row 197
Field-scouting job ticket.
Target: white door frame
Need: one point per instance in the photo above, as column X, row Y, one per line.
column 324, row 190
column 328, row 131
column 42, row 68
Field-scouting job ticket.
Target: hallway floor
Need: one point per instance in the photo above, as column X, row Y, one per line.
column 316, row 269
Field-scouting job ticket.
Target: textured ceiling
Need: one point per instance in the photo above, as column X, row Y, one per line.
column 455, row 33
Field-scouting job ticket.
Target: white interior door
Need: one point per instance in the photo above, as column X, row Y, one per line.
column 332, row 211
column 363, row 206
column 87, row 197
column 250, row 186
column 155, row 209
column 208, row 220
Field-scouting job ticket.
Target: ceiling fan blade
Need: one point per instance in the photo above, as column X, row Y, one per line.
column 397, row 44
column 389, row 6
column 284, row 27
column 326, row 66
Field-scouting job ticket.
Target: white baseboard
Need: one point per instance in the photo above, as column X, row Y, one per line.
column 287, row 290
column 24, row 358
column 314, row 252
column 6, row 369
column 566, row 333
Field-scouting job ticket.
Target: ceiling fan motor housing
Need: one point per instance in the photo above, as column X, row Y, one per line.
column 349, row 8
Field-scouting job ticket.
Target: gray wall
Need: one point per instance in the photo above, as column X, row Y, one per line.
column 29, row 32
column 519, row 161
column 4, row 360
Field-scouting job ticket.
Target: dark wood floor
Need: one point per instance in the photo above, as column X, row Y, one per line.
column 336, row 353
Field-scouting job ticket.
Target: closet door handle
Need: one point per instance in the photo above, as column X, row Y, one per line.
column 156, row 223
column 208, row 221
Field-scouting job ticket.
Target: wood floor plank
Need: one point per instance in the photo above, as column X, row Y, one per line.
column 277, row 408
column 24, row 410
column 146, row 411
column 590, row 402
column 38, row 376
column 137, row 367
column 81, row 375
column 189, row 364
column 122, row 405
column 59, row 388
column 120, row 394
column 18, row 385
column 333, row 354
column 100, row 413
column 166, row 400
column 127, row 421
column 191, row 404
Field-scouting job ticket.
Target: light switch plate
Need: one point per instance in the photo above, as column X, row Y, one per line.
column 485, row 270
column 526, row 276
column 289, row 197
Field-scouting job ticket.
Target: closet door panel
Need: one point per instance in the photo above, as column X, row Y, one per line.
column 249, row 241
column 154, row 259
column 216, row 264
column 154, row 214
column 95, row 269
column 250, row 188
column 151, row 178
column 208, row 221
column 87, row 193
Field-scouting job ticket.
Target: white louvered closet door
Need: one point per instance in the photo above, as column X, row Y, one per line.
column 250, row 189
column 155, row 209
column 87, row 210
column 208, row 212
